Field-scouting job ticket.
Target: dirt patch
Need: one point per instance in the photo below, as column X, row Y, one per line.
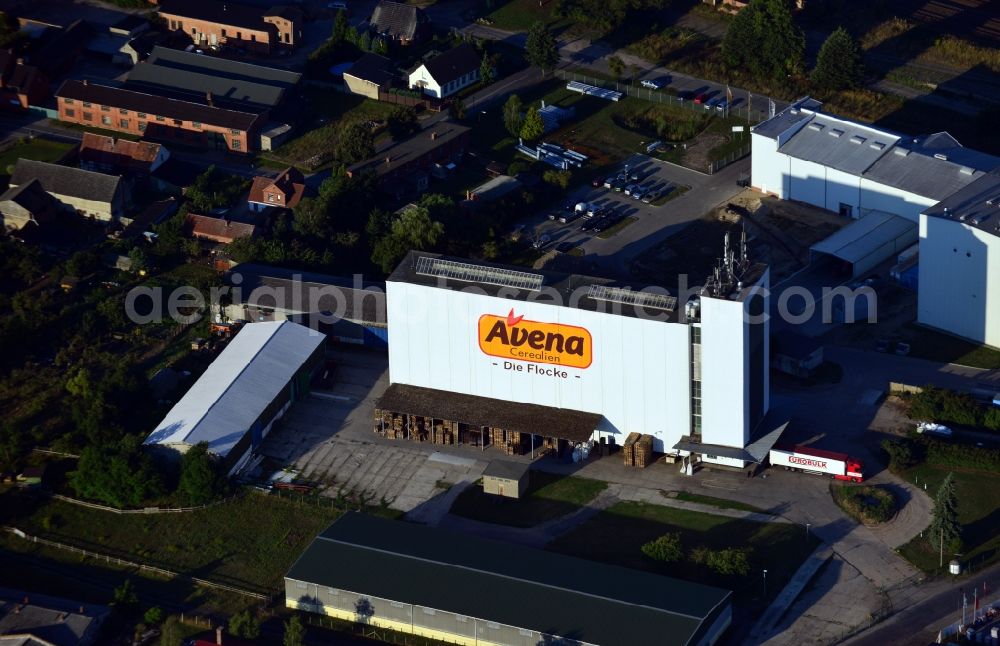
column 698, row 153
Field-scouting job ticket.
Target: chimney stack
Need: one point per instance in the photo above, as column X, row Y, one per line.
column 208, row 98
column 86, row 82
column 434, row 135
column 388, row 159
column 218, row 635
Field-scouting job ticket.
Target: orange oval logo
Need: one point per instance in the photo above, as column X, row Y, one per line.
column 514, row 337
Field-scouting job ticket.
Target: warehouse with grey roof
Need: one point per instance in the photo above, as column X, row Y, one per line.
column 460, row 589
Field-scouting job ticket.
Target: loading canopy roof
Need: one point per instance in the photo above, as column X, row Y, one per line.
column 562, row 423
column 563, row 596
column 866, row 236
column 239, row 385
column 756, row 451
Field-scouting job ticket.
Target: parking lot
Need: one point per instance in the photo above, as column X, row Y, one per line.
column 688, row 195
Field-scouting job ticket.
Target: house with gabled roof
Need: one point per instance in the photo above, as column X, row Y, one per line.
column 93, row 195
column 109, row 155
column 399, row 22
column 284, row 191
column 447, row 73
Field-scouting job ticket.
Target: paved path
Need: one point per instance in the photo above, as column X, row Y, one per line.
column 765, row 626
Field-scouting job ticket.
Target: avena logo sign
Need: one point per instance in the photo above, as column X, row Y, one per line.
column 514, row 337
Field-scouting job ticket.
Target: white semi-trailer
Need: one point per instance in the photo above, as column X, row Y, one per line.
column 809, row 460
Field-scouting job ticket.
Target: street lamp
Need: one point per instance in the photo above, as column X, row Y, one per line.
column 765, row 584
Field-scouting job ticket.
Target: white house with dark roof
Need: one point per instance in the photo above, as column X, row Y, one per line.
column 447, row 73
column 93, row 195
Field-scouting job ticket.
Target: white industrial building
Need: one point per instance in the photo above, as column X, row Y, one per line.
column 234, row 404
column 485, row 342
column 901, row 189
column 959, row 284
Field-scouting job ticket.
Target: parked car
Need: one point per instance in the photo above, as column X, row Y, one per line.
column 588, row 224
column 635, row 176
column 555, row 215
column 902, row 349
column 542, row 241
column 930, row 428
column 609, row 182
column 638, row 193
column 698, row 100
column 597, row 182
column 650, row 196
column 722, row 105
column 569, row 217
column 600, row 224
column 650, row 84
column 565, row 246
column 630, row 188
column 711, row 103
column 619, row 185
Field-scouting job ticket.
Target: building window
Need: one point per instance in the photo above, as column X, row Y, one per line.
column 234, row 131
column 88, row 116
column 141, row 115
column 142, row 126
column 270, row 197
column 223, row 33
column 253, row 38
column 196, row 124
column 105, row 108
column 123, row 123
column 237, row 144
column 122, row 111
column 68, row 101
column 159, row 119
column 106, row 120
column 193, row 31
column 239, row 35
column 70, row 112
column 86, row 104
column 178, row 122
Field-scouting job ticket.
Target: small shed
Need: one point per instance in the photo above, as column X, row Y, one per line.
column 506, row 478
column 796, row 355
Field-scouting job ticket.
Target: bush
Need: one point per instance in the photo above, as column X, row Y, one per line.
column 991, row 419
column 244, row 625
column 153, row 616
column 968, row 456
column 940, row 405
column 729, row 560
column 666, row 548
column 903, row 454
column 865, row 504
column 559, row 178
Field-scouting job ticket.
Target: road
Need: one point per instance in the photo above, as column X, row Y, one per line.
column 920, row 622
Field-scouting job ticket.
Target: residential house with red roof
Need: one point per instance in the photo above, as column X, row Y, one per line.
column 284, row 191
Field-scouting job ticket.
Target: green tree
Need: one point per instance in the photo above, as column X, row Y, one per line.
column 340, row 27
column 364, row 41
column 838, row 65
column 171, row 633
column 380, row 46
column 457, row 109
column 125, row 597
column 402, row 123
column 244, row 625
column 764, row 40
column 295, row 632
column 540, row 48
column 902, row 454
column 558, row 178
column 412, row 229
column 13, row 446
column 617, row 66
column 153, row 616
column 120, row 474
column 533, row 126
column 666, row 548
column 487, row 69
column 944, row 529
column 139, row 261
column 200, row 481
column 513, row 118
column 355, row 143
column 215, row 189
column 730, row 560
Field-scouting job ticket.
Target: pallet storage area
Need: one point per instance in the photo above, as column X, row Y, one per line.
column 638, row 450
column 628, row 449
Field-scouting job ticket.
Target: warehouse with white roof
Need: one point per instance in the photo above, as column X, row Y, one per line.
column 233, row 405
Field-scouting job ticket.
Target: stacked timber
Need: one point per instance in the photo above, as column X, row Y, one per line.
column 396, row 429
column 643, row 451
column 509, row 442
column 628, row 449
column 444, row 432
column 383, row 422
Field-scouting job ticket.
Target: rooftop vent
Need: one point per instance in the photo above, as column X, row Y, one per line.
column 836, row 133
column 857, row 139
column 877, row 145
column 965, row 170
column 902, row 152
column 816, row 126
column 941, row 156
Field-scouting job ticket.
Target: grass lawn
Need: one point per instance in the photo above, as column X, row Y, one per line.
column 978, row 512
column 721, row 503
column 37, row 149
column 549, row 496
column 519, row 15
column 928, row 344
column 249, row 542
column 617, row 534
column 607, row 233
column 672, row 194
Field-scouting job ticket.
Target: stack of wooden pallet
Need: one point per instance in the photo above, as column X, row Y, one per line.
column 397, row 429
column 628, row 449
column 444, row 432
column 643, row 451
column 509, row 442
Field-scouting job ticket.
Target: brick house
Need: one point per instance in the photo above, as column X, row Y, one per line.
column 220, row 230
column 108, row 155
column 214, row 22
column 158, row 118
column 21, row 85
column 406, row 167
column 284, row 191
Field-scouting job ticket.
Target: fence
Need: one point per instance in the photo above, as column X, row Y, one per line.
column 141, row 567
column 145, row 510
column 667, row 97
